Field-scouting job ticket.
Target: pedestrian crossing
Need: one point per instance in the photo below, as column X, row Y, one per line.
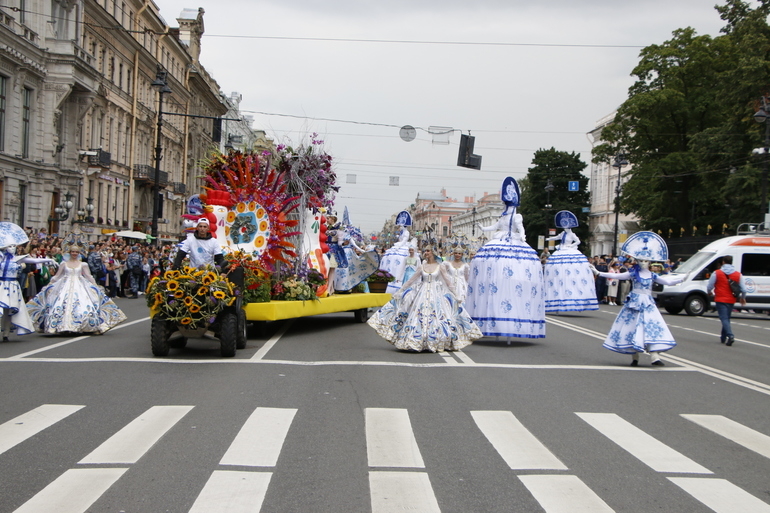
column 398, row 477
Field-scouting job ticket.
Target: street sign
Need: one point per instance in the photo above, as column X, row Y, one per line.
column 574, row 186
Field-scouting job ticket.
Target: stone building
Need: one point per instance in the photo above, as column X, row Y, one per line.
column 79, row 114
column 606, row 184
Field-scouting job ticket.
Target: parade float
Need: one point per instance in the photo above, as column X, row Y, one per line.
column 268, row 213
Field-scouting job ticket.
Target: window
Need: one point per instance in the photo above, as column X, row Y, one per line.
column 755, row 264
column 3, row 88
column 22, row 11
column 26, row 117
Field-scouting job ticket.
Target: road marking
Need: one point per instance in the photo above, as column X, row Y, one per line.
column 647, row 449
column 520, row 449
column 232, row 492
column 25, row 426
column 73, row 492
column 72, row 340
column 390, row 441
column 137, row 437
column 720, row 495
column 723, row 375
column 396, row 492
column 716, row 335
column 564, row 494
column 260, row 440
column 738, row 433
column 272, row 341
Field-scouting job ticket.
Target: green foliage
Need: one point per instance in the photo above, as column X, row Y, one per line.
column 687, row 125
column 560, row 168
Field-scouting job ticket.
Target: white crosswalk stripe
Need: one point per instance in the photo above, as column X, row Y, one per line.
column 645, row 448
column 398, row 478
column 27, row 425
column 738, row 433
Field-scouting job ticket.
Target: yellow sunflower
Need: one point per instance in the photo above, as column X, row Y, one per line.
column 188, row 301
column 158, row 297
column 195, row 308
column 168, row 275
column 232, row 300
column 202, row 291
column 185, row 321
column 219, row 294
column 179, row 293
column 172, row 284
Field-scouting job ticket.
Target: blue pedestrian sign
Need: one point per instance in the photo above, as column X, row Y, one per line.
column 574, row 186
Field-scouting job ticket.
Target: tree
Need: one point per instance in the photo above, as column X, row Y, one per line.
column 687, row 128
column 558, row 168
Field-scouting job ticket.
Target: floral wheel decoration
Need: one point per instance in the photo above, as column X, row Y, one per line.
column 261, row 203
column 190, row 297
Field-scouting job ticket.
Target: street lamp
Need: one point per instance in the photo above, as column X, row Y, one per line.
column 620, row 161
column 84, row 213
column 761, row 116
column 548, row 188
column 62, row 210
column 473, row 226
column 160, row 83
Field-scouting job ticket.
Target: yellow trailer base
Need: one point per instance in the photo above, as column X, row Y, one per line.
column 277, row 310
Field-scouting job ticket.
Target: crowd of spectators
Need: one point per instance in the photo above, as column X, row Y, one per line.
column 122, row 266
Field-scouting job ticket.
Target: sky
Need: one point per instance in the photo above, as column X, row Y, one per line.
column 518, row 75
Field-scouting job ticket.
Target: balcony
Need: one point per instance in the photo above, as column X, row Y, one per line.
column 180, row 188
column 102, row 159
column 145, row 173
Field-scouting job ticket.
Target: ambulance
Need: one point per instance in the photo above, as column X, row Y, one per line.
column 751, row 257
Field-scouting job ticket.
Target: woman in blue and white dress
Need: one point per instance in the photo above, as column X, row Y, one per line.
column 569, row 283
column 425, row 314
column 72, row 302
column 394, row 259
column 639, row 327
column 505, row 286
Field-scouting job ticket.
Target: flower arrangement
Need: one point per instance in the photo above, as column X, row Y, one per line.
column 293, row 289
column 190, row 297
column 381, row 275
column 256, row 283
column 308, row 169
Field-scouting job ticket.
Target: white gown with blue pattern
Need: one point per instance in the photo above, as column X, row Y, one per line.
column 72, row 303
column 505, row 287
column 394, row 261
column 569, row 283
column 639, row 326
column 358, row 269
column 11, row 297
column 425, row 315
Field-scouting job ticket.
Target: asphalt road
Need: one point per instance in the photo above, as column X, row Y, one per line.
column 321, row 415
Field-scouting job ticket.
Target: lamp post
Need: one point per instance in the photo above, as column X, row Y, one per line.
column 548, row 188
column 62, row 210
column 473, row 225
column 761, row 116
column 620, row 161
column 162, row 86
column 84, row 213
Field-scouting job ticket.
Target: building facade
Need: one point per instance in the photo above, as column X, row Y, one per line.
column 79, row 115
column 606, row 185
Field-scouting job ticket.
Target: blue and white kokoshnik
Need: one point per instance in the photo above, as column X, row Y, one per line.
column 12, row 235
column 646, row 246
column 566, row 219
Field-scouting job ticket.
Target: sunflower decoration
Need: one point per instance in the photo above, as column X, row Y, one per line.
column 256, row 282
column 260, row 204
column 192, row 298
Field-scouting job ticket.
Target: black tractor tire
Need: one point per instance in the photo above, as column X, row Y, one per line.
column 159, row 332
column 361, row 315
column 695, row 304
column 228, row 333
column 673, row 310
column 242, row 337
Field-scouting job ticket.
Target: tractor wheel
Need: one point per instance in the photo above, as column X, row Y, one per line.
column 159, row 332
column 361, row 315
column 240, row 341
column 228, row 333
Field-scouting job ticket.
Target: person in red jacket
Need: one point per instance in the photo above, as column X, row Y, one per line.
column 723, row 296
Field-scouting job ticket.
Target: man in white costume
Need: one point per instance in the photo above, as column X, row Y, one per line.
column 201, row 247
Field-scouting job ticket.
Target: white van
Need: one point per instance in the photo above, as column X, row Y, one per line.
column 751, row 257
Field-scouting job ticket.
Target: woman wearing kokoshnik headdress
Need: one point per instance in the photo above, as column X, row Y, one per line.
column 639, row 327
column 457, row 268
column 569, row 283
column 394, row 259
column 15, row 315
column 72, row 302
column 505, row 287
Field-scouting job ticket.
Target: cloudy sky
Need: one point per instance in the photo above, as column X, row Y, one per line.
column 519, row 75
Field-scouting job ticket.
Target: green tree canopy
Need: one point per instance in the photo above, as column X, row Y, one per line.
column 687, row 125
column 557, row 168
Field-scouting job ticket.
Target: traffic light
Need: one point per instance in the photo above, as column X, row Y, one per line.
column 466, row 158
